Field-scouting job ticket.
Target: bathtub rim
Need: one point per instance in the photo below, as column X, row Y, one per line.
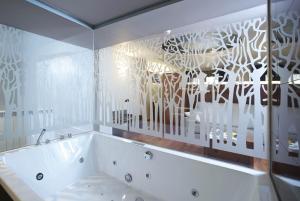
column 15, row 187
column 55, row 140
column 190, row 156
column 201, row 159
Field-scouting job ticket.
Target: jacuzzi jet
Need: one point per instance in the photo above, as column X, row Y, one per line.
column 148, row 155
column 39, row 176
column 128, row 178
column 81, row 160
column 139, row 199
column 195, row 193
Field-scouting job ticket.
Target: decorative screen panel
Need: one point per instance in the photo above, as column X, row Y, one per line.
column 196, row 84
column 10, row 84
column 112, row 82
column 44, row 83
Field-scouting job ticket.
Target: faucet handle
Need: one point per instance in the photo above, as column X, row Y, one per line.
column 69, row 135
column 43, row 131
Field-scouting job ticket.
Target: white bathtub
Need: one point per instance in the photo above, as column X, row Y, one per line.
column 92, row 167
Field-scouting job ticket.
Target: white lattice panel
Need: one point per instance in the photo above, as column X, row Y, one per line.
column 196, row 85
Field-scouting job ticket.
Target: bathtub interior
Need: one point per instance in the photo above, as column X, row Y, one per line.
column 94, row 165
column 70, row 172
column 59, row 162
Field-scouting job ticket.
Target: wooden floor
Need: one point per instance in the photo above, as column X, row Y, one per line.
column 3, row 195
column 251, row 162
column 286, row 170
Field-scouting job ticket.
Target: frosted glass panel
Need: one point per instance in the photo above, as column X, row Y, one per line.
column 203, row 84
column 285, row 54
column 44, row 83
column 112, row 78
column 286, row 93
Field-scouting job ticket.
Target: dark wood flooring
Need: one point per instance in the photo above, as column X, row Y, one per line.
column 3, row 195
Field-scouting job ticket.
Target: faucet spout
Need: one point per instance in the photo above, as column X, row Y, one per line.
column 38, row 142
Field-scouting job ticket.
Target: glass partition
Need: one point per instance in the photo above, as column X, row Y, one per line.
column 285, row 55
column 44, row 83
column 203, row 84
column 201, row 88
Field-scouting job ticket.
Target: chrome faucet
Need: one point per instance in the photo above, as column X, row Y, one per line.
column 38, row 142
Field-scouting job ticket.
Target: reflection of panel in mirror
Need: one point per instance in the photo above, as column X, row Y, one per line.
column 285, row 52
column 2, row 112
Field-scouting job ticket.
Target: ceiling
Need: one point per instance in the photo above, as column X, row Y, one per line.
column 171, row 17
column 109, row 22
column 96, row 13
column 26, row 16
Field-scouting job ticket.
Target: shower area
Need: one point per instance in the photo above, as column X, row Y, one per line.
column 224, row 87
